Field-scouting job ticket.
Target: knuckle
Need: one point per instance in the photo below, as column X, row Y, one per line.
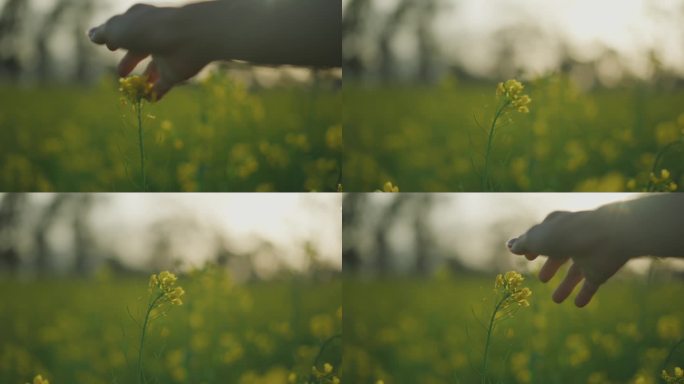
column 555, row 215
column 138, row 8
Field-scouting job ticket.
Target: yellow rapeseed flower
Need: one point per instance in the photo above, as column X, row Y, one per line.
column 662, row 182
column 677, row 376
column 389, row 187
column 292, row 378
column 165, row 285
column 511, row 90
column 135, row 88
column 39, row 380
column 510, row 285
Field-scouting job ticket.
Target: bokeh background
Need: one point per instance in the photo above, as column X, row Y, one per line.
column 419, row 272
column 236, row 127
column 420, row 78
column 261, row 274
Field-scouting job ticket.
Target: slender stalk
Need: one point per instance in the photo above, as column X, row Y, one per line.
column 672, row 351
column 490, row 140
column 141, row 374
column 659, row 156
column 489, row 336
column 141, row 144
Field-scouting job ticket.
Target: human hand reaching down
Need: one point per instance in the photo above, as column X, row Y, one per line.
column 145, row 31
column 601, row 241
column 183, row 40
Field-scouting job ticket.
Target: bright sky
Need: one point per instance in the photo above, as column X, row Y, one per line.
column 631, row 28
column 470, row 33
column 287, row 220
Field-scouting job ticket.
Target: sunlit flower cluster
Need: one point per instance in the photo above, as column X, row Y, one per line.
column 389, row 187
column 39, row 380
column 677, row 376
column 326, row 375
column 164, row 285
column 511, row 90
column 135, row 88
column 662, row 182
column 510, row 285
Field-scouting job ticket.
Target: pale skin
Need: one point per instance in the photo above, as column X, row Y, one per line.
column 601, row 241
column 183, row 40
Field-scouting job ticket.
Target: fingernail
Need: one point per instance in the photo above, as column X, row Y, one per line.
column 510, row 242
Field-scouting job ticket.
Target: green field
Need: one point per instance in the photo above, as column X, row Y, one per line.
column 405, row 330
column 87, row 331
column 214, row 136
column 434, row 138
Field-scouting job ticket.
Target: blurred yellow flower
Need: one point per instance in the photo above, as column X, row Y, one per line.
column 39, row 380
column 389, row 187
column 677, row 376
column 669, row 328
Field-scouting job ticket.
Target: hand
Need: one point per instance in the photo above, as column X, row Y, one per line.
column 594, row 240
column 146, row 30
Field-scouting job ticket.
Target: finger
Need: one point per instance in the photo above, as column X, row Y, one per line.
column 528, row 256
column 160, row 88
column 129, row 62
column 550, row 268
column 97, row 34
column 152, row 72
column 565, row 288
column 586, row 293
column 518, row 245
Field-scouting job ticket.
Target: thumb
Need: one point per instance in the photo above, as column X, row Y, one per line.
column 163, row 75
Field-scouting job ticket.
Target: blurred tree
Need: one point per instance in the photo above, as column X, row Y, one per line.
column 18, row 25
column 85, row 244
column 74, row 211
column 362, row 31
column 12, row 16
column 82, row 14
column 424, row 241
column 352, row 207
column 43, row 252
column 388, row 217
column 223, row 255
column 389, row 30
column 47, row 30
column 428, row 49
column 413, row 210
column 65, row 13
column 12, row 206
column 353, row 35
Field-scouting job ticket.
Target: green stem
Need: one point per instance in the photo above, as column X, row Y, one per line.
column 489, row 336
column 490, row 139
column 672, row 351
column 141, row 144
column 659, row 156
column 141, row 374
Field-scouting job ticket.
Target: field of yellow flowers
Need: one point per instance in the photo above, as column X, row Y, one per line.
column 213, row 136
column 407, row 330
column 566, row 139
column 87, row 331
